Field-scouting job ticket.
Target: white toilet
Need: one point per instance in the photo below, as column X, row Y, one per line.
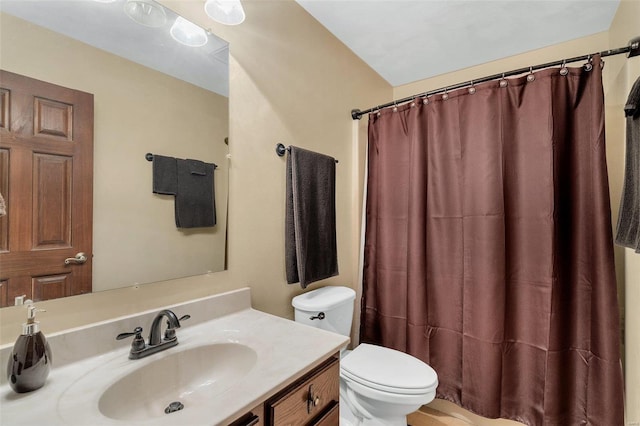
column 378, row 386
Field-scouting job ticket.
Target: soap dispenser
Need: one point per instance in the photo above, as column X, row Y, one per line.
column 30, row 360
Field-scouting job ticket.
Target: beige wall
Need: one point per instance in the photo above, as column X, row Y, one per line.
column 291, row 82
column 136, row 110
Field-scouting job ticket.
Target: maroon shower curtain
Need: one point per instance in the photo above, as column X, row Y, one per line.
column 488, row 247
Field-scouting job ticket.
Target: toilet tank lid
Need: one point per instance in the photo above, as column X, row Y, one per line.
column 324, row 298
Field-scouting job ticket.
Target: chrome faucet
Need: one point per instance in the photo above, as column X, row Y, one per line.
column 139, row 349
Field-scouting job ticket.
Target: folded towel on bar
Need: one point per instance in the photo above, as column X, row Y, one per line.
column 195, row 197
column 628, row 228
column 310, row 219
column 165, row 175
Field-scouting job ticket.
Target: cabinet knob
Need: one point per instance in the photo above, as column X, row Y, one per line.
column 312, row 400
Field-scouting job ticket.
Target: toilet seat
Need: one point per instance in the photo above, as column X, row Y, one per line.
column 386, row 370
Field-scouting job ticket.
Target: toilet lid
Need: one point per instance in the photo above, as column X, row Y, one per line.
column 388, row 370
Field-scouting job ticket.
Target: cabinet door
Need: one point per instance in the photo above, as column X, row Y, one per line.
column 308, row 400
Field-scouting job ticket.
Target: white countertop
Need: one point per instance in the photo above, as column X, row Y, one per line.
column 285, row 351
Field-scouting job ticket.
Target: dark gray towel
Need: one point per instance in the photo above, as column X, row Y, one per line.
column 165, row 175
column 628, row 229
column 195, row 198
column 310, row 221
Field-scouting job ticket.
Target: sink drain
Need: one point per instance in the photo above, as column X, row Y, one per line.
column 173, row 407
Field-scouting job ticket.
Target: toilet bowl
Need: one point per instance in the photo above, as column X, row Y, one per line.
column 378, row 386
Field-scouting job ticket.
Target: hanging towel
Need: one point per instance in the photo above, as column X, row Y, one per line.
column 165, row 175
column 310, row 220
column 195, row 198
column 628, row 229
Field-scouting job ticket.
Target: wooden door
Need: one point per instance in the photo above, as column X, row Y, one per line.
column 46, row 179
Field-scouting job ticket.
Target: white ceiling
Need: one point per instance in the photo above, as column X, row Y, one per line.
column 406, row 41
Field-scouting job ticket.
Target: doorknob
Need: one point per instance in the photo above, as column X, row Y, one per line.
column 78, row 260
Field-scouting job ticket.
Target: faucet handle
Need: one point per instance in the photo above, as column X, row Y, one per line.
column 170, row 332
column 138, row 340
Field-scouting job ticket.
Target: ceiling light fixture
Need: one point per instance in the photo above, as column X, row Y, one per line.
column 188, row 33
column 146, row 12
column 228, row 12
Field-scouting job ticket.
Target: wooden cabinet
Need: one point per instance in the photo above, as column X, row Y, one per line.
column 309, row 400
column 313, row 400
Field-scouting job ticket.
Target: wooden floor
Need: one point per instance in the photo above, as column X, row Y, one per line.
column 429, row 417
column 434, row 415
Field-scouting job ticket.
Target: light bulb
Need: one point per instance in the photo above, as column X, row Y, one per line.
column 228, row 12
column 188, row 33
column 146, row 12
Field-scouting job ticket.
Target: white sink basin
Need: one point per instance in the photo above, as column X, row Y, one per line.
column 189, row 377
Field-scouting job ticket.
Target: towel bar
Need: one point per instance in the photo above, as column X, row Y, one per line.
column 149, row 157
column 281, row 149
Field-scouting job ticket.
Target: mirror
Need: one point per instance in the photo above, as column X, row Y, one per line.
column 151, row 95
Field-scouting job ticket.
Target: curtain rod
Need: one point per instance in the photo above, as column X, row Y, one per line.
column 633, row 49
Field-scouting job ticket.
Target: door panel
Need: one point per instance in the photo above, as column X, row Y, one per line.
column 46, row 178
column 4, row 190
column 53, row 119
column 51, row 287
column 52, row 201
column 4, row 109
column 3, row 293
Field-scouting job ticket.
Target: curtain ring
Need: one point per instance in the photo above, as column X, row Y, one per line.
column 395, row 106
column 472, row 89
column 425, row 101
column 564, row 70
column 378, row 113
column 445, row 96
column 503, row 82
column 588, row 66
column 413, row 103
column 531, row 77
column 601, row 63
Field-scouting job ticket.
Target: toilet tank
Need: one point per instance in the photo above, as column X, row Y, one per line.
column 328, row 308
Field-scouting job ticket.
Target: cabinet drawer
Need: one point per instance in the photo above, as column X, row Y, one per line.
column 252, row 418
column 331, row 417
column 312, row 397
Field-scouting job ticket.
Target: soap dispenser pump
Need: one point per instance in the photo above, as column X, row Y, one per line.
column 30, row 360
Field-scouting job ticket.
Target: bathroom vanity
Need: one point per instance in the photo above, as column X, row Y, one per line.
column 233, row 365
column 312, row 400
